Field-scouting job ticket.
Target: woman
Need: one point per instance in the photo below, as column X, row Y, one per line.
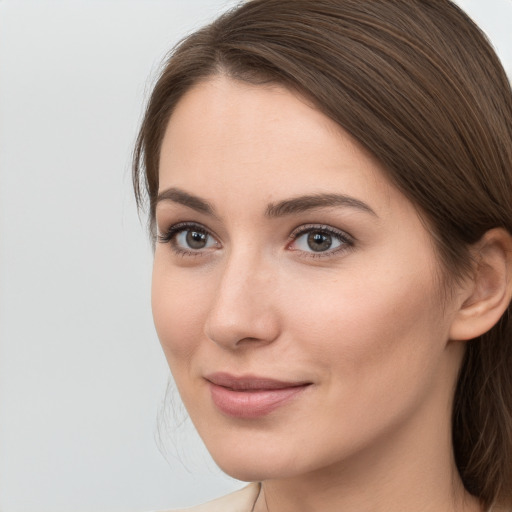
column 329, row 197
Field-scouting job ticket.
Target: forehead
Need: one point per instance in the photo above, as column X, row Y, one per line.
column 229, row 139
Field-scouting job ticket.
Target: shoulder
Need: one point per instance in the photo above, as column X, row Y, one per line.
column 238, row 501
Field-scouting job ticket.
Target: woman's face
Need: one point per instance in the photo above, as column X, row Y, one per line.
column 295, row 290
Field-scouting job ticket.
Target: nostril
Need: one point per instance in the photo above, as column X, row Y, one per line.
column 245, row 341
column 241, row 331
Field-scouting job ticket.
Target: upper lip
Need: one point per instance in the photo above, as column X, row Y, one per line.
column 250, row 382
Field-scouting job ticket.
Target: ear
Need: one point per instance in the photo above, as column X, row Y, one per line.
column 488, row 291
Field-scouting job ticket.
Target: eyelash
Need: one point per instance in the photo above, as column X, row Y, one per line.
column 346, row 241
column 169, row 237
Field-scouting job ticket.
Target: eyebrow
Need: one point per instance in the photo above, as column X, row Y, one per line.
column 281, row 209
column 313, row 202
column 179, row 196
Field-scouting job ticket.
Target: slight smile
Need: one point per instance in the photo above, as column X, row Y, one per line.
column 250, row 397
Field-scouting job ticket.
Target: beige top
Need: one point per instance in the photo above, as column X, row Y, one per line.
column 244, row 501
column 238, row 501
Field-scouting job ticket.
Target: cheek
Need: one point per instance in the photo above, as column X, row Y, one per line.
column 374, row 323
column 179, row 307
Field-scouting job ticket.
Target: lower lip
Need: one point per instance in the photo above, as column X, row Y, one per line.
column 252, row 404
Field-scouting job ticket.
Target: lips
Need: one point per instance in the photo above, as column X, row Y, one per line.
column 251, row 397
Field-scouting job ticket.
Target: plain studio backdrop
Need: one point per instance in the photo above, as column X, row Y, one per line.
column 82, row 376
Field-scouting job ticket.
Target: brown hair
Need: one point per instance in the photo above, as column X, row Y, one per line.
column 417, row 84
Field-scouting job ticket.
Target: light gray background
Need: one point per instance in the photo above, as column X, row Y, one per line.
column 81, row 372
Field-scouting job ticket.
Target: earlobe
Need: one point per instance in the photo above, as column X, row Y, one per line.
column 489, row 289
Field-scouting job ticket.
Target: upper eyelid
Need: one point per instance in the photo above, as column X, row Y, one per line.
column 299, row 229
column 183, row 226
column 347, row 241
column 305, row 228
column 168, row 235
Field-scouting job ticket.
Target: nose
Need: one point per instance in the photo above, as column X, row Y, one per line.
column 244, row 309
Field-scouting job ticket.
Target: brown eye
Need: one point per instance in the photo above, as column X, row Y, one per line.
column 318, row 241
column 189, row 238
column 196, row 239
column 193, row 239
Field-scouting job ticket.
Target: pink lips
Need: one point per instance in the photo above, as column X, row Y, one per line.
column 251, row 397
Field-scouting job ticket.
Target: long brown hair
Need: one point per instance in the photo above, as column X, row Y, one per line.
column 418, row 84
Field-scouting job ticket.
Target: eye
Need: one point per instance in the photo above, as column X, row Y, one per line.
column 316, row 240
column 187, row 238
column 193, row 239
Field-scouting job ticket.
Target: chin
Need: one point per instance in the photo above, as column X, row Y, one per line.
column 253, row 464
column 253, row 471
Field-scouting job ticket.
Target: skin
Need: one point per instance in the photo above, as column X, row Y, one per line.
column 362, row 321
